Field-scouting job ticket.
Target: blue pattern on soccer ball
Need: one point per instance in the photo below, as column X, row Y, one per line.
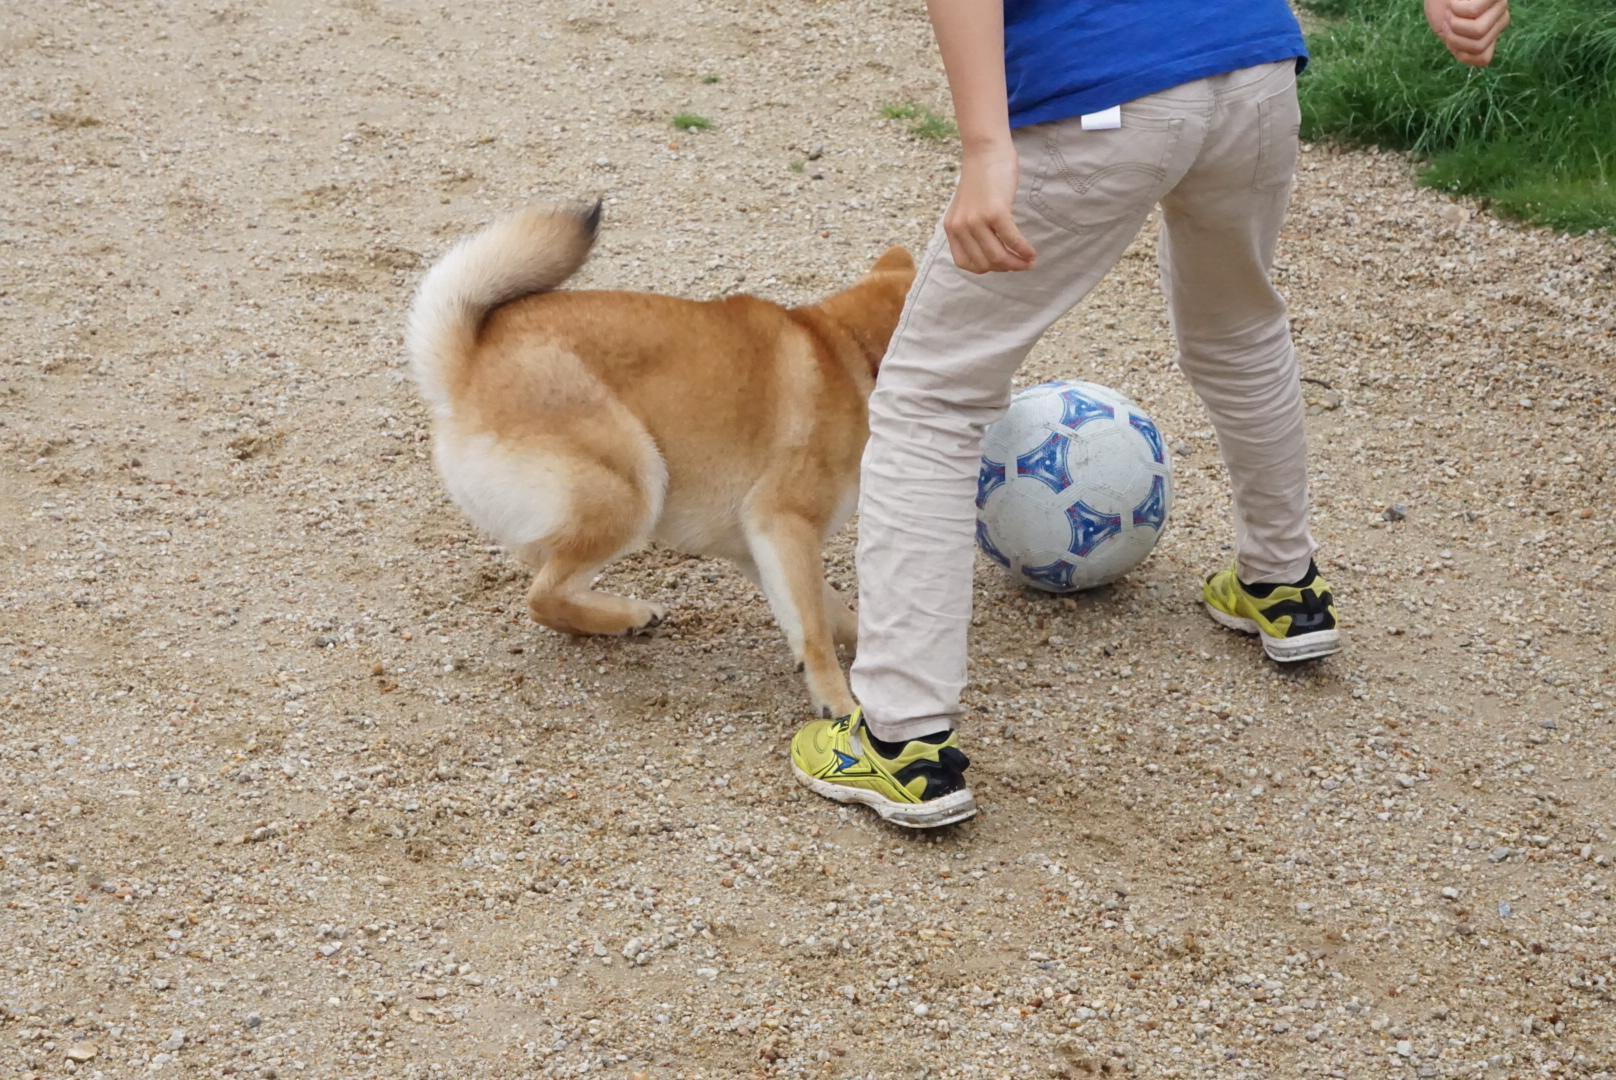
column 1077, row 407
column 1153, row 510
column 1057, row 575
column 987, row 545
column 1046, row 463
column 1090, row 527
column 989, row 477
column 1157, row 451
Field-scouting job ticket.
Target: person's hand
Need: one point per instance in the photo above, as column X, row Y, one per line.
column 1469, row 28
column 982, row 233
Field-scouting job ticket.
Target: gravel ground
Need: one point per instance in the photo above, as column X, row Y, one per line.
column 290, row 787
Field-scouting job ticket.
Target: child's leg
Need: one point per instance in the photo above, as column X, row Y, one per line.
column 1220, row 224
column 946, row 376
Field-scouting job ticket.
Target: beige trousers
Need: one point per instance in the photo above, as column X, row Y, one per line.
column 1219, row 155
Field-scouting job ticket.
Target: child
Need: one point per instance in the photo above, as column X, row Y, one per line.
column 1076, row 118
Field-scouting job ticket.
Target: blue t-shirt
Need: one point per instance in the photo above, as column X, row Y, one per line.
column 1064, row 58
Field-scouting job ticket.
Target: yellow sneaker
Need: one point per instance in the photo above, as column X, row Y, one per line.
column 1296, row 622
column 920, row 787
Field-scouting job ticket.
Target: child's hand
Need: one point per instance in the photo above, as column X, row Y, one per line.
column 982, row 233
column 1469, row 28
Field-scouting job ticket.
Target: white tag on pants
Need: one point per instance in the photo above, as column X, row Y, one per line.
column 1104, row 120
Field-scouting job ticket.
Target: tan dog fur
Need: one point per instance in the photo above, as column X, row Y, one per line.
column 574, row 427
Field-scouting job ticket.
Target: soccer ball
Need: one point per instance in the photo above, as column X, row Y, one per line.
column 1074, row 489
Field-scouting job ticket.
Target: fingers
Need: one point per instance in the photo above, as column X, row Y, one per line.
column 967, row 252
column 1468, row 52
column 1471, row 9
column 1016, row 244
column 982, row 245
column 1472, row 27
column 1476, row 53
column 980, row 223
column 1481, row 31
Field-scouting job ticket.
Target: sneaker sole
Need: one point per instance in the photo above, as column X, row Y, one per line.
column 931, row 814
column 1282, row 650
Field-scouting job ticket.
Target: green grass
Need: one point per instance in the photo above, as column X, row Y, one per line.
column 1534, row 134
column 710, row 79
column 689, row 121
column 924, row 123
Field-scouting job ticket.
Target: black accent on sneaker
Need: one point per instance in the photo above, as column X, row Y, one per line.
column 944, row 776
column 1308, row 615
column 893, row 749
column 1264, row 589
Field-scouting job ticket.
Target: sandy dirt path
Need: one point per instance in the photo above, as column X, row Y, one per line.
column 290, row 787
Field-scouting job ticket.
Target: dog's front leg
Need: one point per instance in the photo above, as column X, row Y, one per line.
column 785, row 549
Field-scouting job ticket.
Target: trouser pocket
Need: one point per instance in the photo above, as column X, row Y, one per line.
column 1279, row 127
column 1091, row 179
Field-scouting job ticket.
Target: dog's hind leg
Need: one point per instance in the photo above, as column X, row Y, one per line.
column 843, row 620
column 785, row 548
column 560, row 598
column 611, row 515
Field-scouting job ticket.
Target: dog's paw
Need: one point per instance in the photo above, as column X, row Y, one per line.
column 834, row 707
column 654, row 615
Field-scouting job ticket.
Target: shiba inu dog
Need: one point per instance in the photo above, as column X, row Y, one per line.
column 574, row 427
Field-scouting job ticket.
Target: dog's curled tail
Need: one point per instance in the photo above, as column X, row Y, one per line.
column 531, row 251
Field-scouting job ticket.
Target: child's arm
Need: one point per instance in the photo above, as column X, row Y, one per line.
column 982, row 234
column 1469, row 28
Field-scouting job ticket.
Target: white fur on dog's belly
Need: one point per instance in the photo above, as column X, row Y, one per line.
column 708, row 523
column 517, row 497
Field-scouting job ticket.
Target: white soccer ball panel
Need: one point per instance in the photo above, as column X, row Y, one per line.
column 1075, row 486
column 1025, row 522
